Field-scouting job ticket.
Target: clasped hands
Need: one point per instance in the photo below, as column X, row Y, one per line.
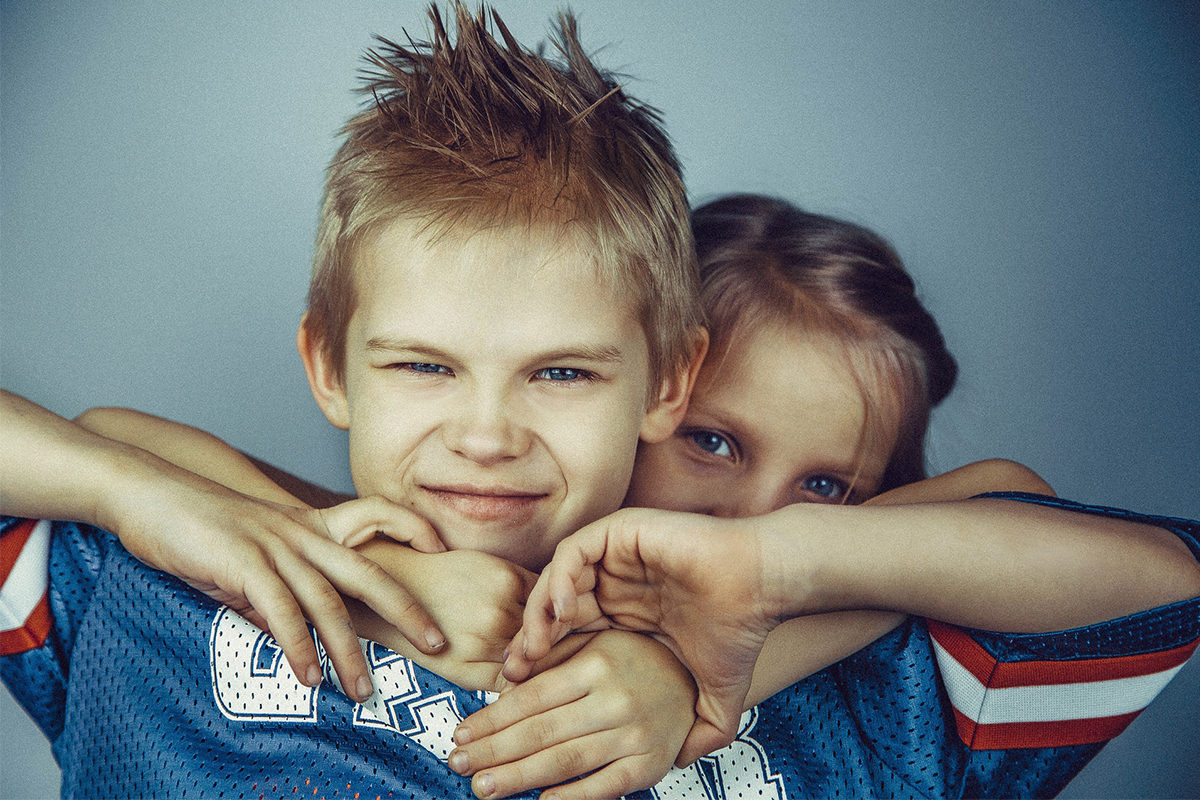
column 695, row 583
column 614, row 706
column 611, row 704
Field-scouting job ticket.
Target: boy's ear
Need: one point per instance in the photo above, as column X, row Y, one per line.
column 665, row 413
column 327, row 387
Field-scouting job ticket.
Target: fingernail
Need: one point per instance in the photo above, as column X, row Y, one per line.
column 365, row 689
column 462, row 734
column 486, row 784
column 556, row 609
column 434, row 638
column 458, row 762
column 313, row 676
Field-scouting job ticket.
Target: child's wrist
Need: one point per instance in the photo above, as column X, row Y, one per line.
column 787, row 582
column 125, row 478
column 804, row 569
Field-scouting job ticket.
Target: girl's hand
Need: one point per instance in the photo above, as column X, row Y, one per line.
column 475, row 598
column 695, row 582
column 621, row 706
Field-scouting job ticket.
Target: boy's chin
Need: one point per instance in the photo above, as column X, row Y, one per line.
column 528, row 546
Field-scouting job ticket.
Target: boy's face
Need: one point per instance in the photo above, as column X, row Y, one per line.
column 493, row 385
column 777, row 419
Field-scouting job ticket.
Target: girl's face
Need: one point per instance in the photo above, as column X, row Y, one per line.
column 774, row 420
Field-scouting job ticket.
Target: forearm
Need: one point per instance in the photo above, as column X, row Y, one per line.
column 190, row 448
column 403, row 564
column 979, row 477
column 806, row 645
column 55, row 469
column 991, row 564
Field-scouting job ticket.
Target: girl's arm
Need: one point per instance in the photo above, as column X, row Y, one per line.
column 714, row 588
column 504, row 740
column 192, row 449
column 204, row 454
column 802, row 646
column 274, row 564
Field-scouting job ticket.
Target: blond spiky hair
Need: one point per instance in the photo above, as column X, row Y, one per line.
column 475, row 133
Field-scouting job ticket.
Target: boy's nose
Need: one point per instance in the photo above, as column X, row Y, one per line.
column 485, row 431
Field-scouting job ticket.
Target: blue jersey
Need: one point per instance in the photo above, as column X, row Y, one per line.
column 146, row 687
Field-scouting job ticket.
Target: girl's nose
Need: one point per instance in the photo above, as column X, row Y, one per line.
column 752, row 497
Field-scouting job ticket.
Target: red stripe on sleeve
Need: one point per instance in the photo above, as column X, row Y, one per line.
column 11, row 544
column 985, row 668
column 963, row 649
column 1008, row 735
column 32, row 634
column 1048, row 673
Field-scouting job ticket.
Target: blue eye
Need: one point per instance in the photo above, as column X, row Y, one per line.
column 563, row 374
column 825, row 487
column 428, row 369
column 712, row 442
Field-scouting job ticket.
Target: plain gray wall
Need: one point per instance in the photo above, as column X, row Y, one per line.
column 1037, row 164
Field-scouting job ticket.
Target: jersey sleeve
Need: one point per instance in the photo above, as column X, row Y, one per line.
column 48, row 575
column 1027, row 703
column 1072, row 687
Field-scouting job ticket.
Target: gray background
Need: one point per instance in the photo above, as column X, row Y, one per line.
column 1036, row 164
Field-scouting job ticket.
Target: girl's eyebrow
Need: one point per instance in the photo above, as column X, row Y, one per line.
column 730, row 422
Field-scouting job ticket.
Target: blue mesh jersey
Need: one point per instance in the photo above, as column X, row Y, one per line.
column 147, row 688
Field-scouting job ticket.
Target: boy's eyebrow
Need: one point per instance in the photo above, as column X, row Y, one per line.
column 384, row 344
column 605, row 354
column 601, row 354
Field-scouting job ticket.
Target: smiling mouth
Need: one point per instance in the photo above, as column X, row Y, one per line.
column 487, row 505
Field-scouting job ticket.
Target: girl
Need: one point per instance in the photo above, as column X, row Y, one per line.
column 822, row 372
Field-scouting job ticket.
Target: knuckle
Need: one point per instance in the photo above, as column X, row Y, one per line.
column 599, row 664
column 372, row 573
column 490, row 619
column 291, row 638
column 640, row 740
column 325, row 599
column 621, row 705
column 541, row 732
column 622, row 779
column 494, row 577
column 569, row 760
column 500, row 585
column 634, row 778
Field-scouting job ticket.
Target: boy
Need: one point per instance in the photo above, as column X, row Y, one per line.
column 503, row 301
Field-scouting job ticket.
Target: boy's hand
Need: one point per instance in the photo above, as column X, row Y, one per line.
column 695, row 582
column 476, row 599
column 621, row 706
column 279, row 565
